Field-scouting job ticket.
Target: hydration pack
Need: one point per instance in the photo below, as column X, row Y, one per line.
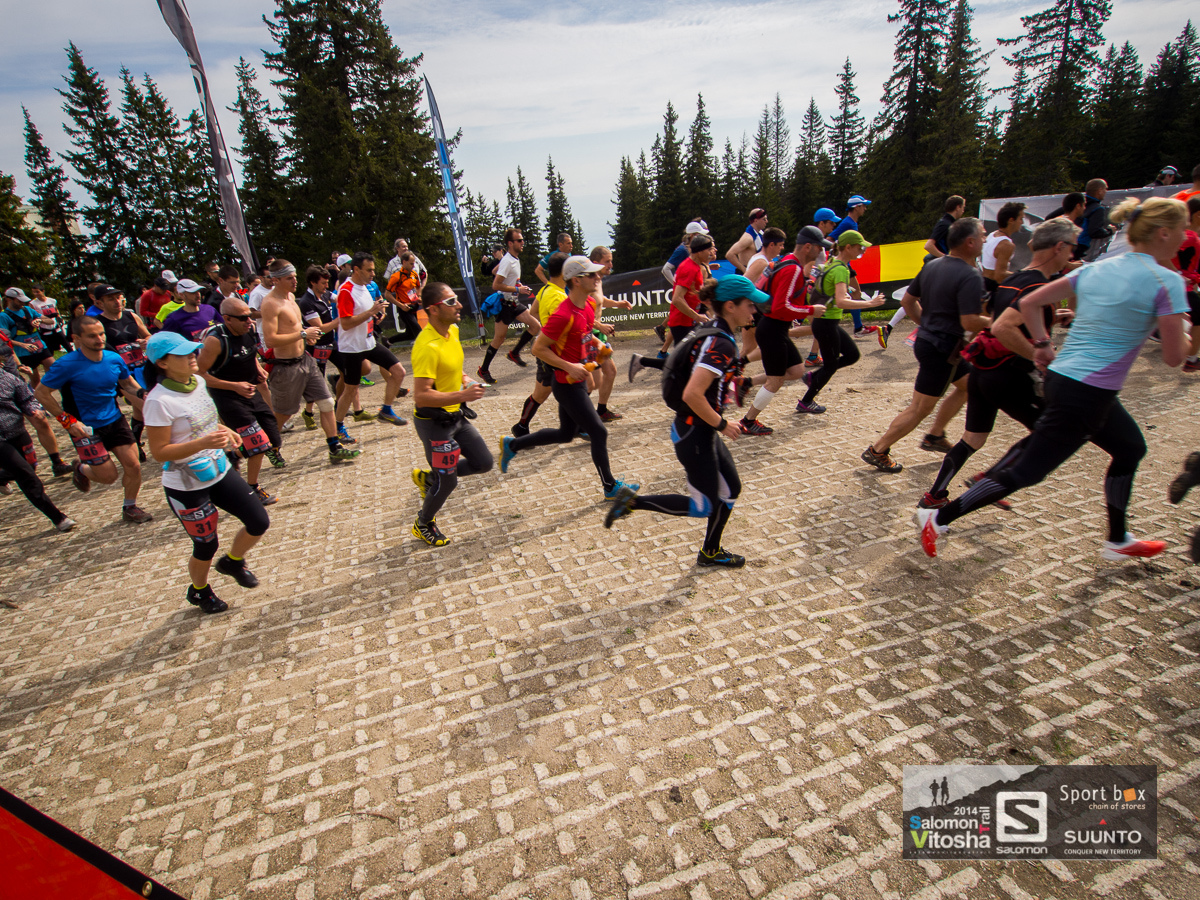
column 678, row 367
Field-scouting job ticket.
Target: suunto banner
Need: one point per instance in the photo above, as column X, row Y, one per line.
column 175, row 14
column 1030, row 812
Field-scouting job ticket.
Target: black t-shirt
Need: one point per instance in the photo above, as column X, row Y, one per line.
column 1016, row 286
column 948, row 288
column 940, row 231
column 321, row 307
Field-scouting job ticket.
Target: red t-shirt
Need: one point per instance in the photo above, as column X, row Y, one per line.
column 789, row 288
column 150, row 303
column 690, row 277
column 570, row 328
column 1187, row 260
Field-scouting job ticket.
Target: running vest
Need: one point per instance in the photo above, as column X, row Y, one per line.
column 237, row 359
column 121, row 337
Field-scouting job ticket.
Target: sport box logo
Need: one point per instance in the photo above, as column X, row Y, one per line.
column 1038, row 812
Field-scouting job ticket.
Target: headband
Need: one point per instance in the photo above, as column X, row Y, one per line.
column 283, row 273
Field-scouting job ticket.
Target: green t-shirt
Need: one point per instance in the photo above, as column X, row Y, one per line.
column 836, row 272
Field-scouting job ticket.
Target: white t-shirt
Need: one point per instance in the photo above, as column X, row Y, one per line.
column 354, row 300
column 509, row 271
column 189, row 416
column 48, row 308
column 255, row 301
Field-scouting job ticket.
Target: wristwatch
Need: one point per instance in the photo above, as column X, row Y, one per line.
column 1044, row 342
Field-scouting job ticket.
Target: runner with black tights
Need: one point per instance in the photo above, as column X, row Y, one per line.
column 1002, row 375
column 1119, row 302
column 712, row 478
column 185, row 436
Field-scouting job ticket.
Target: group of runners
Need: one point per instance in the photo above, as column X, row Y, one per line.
column 215, row 383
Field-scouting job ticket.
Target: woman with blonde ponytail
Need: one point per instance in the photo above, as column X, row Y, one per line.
column 1118, row 303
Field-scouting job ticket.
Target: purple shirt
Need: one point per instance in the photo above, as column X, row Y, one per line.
column 191, row 324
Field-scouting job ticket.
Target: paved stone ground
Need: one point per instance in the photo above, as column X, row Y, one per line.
column 548, row 709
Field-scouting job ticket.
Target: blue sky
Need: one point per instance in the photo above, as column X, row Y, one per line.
column 583, row 83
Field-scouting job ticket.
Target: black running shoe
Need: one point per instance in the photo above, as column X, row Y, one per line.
column 205, row 599
column 721, row 558
column 519, row 430
column 936, row 443
column 485, row 376
column 237, row 571
column 430, row 534
column 661, row 332
column 621, row 506
column 1185, row 480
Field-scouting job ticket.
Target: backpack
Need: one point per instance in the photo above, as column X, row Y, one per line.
column 817, row 293
column 677, row 369
column 773, row 268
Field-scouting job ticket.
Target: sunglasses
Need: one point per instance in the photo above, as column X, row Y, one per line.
column 449, row 301
column 239, row 318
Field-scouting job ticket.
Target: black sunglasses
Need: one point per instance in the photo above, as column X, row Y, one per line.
column 246, row 318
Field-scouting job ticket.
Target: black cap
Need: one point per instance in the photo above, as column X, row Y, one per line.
column 811, row 234
column 106, row 290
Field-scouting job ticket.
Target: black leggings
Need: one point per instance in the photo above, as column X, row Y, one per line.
column 15, row 467
column 712, row 480
column 196, row 512
column 575, row 414
column 1075, row 414
column 837, row 352
column 452, row 451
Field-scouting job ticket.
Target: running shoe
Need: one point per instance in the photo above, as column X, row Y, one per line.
column 61, row 469
column 755, row 427
column 506, row 453
column 237, row 571
column 467, row 412
column 343, row 453
column 618, row 485
column 364, row 415
column 421, row 480
column 367, row 382
column 936, row 444
column 64, row 525
column 141, row 452
column 392, row 418
column 813, row 362
column 932, row 501
column 275, row 458
column 811, row 407
column 1195, row 548
column 743, row 389
column 661, row 332
column 485, row 376
column 609, row 416
column 1191, row 366
column 929, row 530
column 1001, row 503
column 884, row 332
column 1132, row 548
column 264, row 497
column 721, row 558
column 287, row 426
column 662, row 354
column 865, row 332
column 205, row 599
column 515, row 358
column 6, row 489
column 584, row 436
column 1185, row 480
column 401, row 392
column 882, row 461
column 430, row 534
column 622, row 505
column 635, row 365
column 519, row 430
column 135, row 515
column 310, row 421
column 344, row 435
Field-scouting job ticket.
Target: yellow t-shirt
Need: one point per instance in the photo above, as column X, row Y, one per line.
column 548, row 300
column 439, row 358
column 168, row 308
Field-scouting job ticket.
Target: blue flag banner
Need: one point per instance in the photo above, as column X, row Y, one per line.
column 465, row 263
column 175, row 14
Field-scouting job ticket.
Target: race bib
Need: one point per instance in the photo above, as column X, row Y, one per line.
column 131, row 355
column 91, row 450
column 30, row 453
column 35, row 342
column 200, row 523
column 254, row 440
column 445, row 456
column 322, row 353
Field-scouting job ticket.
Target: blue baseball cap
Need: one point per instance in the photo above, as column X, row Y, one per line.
column 734, row 287
column 825, row 214
column 168, row 343
column 857, row 200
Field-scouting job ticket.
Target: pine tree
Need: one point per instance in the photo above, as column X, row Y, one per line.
column 762, row 167
column 559, row 219
column 484, row 226
column 267, row 202
column 100, row 160
column 56, row 208
column 810, row 176
column 668, row 214
column 628, row 233
column 1114, row 142
column 24, row 254
column 523, row 214
column 911, row 91
column 1170, row 98
column 782, row 165
column 845, row 135
column 698, row 165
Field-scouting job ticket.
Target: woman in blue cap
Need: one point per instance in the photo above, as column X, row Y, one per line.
column 185, row 436
column 699, row 379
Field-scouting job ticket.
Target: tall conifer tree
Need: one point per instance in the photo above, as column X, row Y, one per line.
column 56, row 208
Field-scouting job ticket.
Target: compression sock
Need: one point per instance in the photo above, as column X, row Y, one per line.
column 898, row 317
column 716, row 527
column 602, row 408
column 951, row 465
column 56, row 459
column 762, row 399
column 523, row 342
column 488, row 356
column 529, row 410
column 1117, row 489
